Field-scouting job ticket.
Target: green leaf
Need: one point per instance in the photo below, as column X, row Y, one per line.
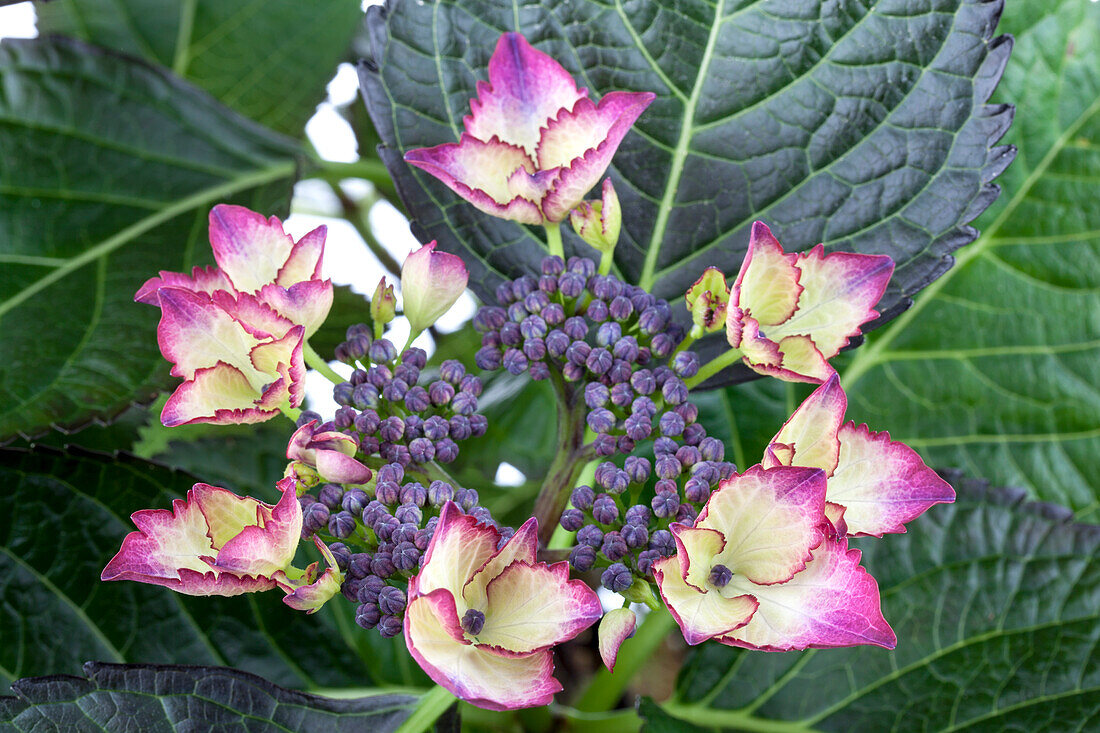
column 67, row 515
column 861, row 124
column 169, row 698
column 267, row 60
column 109, row 169
column 996, row 368
column 996, row 604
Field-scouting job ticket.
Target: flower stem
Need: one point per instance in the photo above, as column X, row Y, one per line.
column 606, row 688
column 291, row 412
column 714, row 366
column 569, row 459
column 314, row 360
column 432, row 704
column 606, row 260
column 553, row 239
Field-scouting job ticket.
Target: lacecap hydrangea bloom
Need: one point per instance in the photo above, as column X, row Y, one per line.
column 482, row 619
column 235, row 332
column 534, row 144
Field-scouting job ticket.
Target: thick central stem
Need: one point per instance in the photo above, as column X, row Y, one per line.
column 569, row 460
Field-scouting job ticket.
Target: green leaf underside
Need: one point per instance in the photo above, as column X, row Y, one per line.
column 109, row 170
column 996, row 369
column 69, row 512
column 267, row 60
column 865, row 129
column 112, row 697
column 996, row 605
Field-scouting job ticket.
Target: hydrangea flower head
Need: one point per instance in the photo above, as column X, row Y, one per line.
column 482, row 620
column 761, row 568
column 790, row 313
column 534, row 143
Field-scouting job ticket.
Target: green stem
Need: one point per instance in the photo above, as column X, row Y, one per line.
column 563, row 538
column 606, row 260
column 553, row 239
column 291, row 412
column 688, row 341
column 569, row 459
column 606, row 688
column 712, row 367
column 314, row 360
column 433, row 704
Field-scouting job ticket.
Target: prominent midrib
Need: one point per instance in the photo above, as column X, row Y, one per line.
column 127, row 235
column 679, row 155
column 872, row 354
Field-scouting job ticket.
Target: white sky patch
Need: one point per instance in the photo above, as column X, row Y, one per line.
column 509, row 475
column 18, row 21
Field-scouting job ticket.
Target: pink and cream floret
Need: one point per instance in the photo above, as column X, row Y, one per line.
column 482, row 621
column 330, row 454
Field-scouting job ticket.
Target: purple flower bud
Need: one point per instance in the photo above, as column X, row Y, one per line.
column 667, row 466
column 416, row 399
column 651, row 321
column 330, row 495
column 582, row 558
column 688, row 456
column 395, row 390
column 473, row 621
column 478, row 425
column 385, row 525
column 671, row 424
column 637, row 468
column 367, row 615
column 619, row 482
column 595, row 395
column 342, row 394
column 685, row 364
column 533, row 327
column 582, row 497
column 435, row 427
column 382, row 565
column 305, row 500
column 406, row 556
column 572, row 520
column 604, row 509
column 711, row 449
column 583, row 266
column 645, row 561
column 354, row 501
column 459, row 428
column 620, row 308
column 515, row 361
column 382, row 351
column 578, row 352
column 387, row 492
column 665, row 445
column 370, row 587
column 537, row 300
column 707, row 471
column 534, row 349
column 557, row 343
column 605, row 474
column 553, row 314
column 620, row 372
column 689, row 412
column 605, row 445
column 602, row 286
column 696, row 490
column 365, row 396
column 613, row 546
column 392, row 429
column 307, row 416
column 608, row 333
column 570, row 284
column 573, row 372
column 601, row 420
column 423, row 538
column 446, row 450
column 510, row 334
column 341, row 554
column 487, row 358
column 720, row 575
column 440, row 492
column 488, row 318
column 548, row 284
column 666, row 486
column 359, row 567
column 373, row 510
column 662, row 345
column 626, row 348
column 482, row 515
column 521, row 286
column 637, row 514
column 406, row 373
column 314, row 517
column 597, row 311
column 599, row 361
column 665, row 505
column 621, row 395
column 367, row 421
column 409, row 512
column 686, row 514
column 590, row 535
column 390, row 626
column 344, row 418
column 452, row 371
column 617, row 578
column 413, row 493
column 504, row 293
column 575, row 328
column 674, row 391
column 391, row 472
column 663, row 542
column 625, row 444
column 635, row 535
column 552, row 265
column 643, row 382
column 464, row 403
column 466, row 499
column 440, row 393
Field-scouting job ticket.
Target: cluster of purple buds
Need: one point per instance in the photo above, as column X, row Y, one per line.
column 622, row 524
column 393, row 414
column 379, row 533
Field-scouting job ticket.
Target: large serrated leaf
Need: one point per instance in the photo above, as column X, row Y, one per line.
column 117, row 697
column 859, row 124
column 995, row 602
column 267, row 60
column 107, row 170
column 67, row 514
column 996, row 369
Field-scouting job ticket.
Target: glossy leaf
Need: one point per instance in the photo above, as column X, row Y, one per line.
column 109, row 169
column 863, row 125
column 68, row 513
column 269, row 61
column 996, row 369
column 995, row 603
column 173, row 698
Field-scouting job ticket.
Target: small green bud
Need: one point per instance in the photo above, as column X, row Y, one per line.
column 599, row 222
column 707, row 300
column 641, row 591
column 383, row 305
